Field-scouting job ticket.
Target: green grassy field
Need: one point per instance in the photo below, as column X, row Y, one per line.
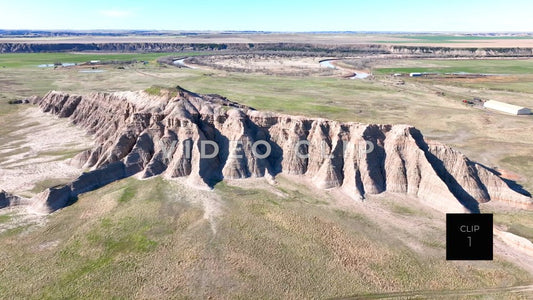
column 519, row 84
column 149, row 239
column 483, row 66
column 375, row 101
column 28, row 60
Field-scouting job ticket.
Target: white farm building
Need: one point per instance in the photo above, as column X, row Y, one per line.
column 507, row 108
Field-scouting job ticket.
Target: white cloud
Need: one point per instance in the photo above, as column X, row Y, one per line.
column 115, row 13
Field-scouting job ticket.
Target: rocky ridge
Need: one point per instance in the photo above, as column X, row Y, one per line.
column 312, row 49
column 147, row 135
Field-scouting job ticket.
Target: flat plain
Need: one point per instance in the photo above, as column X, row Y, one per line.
column 338, row 38
column 154, row 238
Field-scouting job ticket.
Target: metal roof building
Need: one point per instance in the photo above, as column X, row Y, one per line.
column 507, row 108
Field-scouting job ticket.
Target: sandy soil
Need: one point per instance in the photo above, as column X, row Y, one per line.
column 37, row 151
column 510, row 175
column 265, row 64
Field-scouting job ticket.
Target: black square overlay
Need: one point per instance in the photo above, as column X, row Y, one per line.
column 469, row 237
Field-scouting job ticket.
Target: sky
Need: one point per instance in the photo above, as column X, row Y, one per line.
column 271, row 15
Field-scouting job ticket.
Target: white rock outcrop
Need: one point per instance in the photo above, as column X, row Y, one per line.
column 138, row 133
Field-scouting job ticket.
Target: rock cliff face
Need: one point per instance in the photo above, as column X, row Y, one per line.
column 207, row 138
column 432, row 51
column 284, row 47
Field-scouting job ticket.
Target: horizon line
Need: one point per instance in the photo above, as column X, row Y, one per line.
column 266, row 31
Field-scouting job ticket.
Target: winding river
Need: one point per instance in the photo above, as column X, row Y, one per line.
column 181, row 63
column 328, row 63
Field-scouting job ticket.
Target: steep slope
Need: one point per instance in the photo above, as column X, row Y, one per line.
column 7, row 199
column 339, row 48
column 207, row 138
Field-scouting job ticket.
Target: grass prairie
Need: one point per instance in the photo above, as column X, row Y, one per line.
column 435, row 39
column 154, row 238
column 319, row 38
column 158, row 243
column 445, row 119
column 31, row 60
column 478, row 66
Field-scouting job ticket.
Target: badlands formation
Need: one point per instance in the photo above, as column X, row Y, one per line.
column 137, row 133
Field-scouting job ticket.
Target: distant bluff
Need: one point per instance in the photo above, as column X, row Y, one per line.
column 164, row 133
column 283, row 48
